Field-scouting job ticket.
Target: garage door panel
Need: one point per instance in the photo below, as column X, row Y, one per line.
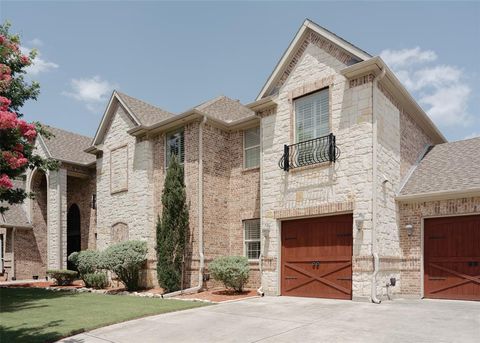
column 452, row 258
column 317, row 257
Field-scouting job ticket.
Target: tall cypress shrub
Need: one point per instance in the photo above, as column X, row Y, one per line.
column 172, row 229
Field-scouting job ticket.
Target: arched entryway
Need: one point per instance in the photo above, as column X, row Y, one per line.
column 73, row 232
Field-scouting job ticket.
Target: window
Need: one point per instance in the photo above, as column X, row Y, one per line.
column 251, row 143
column 252, row 238
column 175, row 146
column 312, row 116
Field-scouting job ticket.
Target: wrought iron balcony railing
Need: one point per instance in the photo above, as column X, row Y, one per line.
column 313, row 151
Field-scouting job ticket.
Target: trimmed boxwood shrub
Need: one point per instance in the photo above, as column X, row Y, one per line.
column 96, row 280
column 86, row 261
column 232, row 271
column 125, row 259
column 63, row 277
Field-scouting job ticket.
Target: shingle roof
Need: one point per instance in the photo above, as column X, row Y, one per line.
column 147, row 114
column 68, row 146
column 16, row 215
column 447, row 167
column 225, row 109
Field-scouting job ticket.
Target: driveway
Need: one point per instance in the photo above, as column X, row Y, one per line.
column 287, row 319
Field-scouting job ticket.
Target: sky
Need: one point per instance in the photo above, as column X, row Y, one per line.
column 176, row 55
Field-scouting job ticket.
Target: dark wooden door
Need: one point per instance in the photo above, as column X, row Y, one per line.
column 317, row 257
column 452, row 258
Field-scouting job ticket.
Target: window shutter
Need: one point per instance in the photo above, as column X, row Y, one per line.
column 312, row 116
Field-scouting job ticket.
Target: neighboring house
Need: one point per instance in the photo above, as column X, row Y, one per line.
column 333, row 182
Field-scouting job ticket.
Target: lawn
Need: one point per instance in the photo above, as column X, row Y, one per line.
column 38, row 315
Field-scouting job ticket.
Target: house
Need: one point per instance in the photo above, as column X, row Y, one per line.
column 333, row 182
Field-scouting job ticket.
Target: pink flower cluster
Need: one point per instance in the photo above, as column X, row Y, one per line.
column 9, row 120
column 5, row 182
column 4, row 103
column 14, row 160
column 5, row 76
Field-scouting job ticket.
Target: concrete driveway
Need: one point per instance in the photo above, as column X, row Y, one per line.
column 287, row 319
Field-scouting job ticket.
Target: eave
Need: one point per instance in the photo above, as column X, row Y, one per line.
column 439, row 195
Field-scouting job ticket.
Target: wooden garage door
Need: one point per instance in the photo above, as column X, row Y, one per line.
column 452, row 258
column 317, row 257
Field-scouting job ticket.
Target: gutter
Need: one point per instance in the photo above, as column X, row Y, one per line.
column 438, row 195
column 200, row 218
column 376, row 260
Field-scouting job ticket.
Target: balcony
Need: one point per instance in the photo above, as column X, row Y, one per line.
column 314, row 151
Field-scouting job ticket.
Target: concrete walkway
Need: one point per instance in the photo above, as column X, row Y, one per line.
column 287, row 319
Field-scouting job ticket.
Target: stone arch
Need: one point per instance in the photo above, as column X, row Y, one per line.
column 119, row 232
column 73, row 231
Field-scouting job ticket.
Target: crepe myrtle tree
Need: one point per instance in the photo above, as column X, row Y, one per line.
column 17, row 136
column 172, row 229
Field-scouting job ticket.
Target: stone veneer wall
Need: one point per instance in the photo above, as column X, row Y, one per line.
column 411, row 246
column 30, row 250
column 133, row 206
column 346, row 184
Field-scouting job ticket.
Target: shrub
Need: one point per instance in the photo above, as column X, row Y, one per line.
column 86, row 261
column 126, row 259
column 172, row 229
column 232, row 271
column 96, row 280
column 63, row 277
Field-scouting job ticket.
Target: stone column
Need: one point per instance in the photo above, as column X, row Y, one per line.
column 57, row 219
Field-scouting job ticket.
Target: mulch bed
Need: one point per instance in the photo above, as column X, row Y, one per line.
column 220, row 295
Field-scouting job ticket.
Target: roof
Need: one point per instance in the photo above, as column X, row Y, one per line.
column 146, row 114
column 16, row 215
column 68, row 146
column 225, row 109
column 447, row 167
column 297, row 41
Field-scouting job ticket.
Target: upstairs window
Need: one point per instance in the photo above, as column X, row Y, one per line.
column 175, row 146
column 312, row 118
column 252, row 238
column 251, row 143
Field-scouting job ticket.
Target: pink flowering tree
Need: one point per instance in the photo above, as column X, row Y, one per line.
column 17, row 137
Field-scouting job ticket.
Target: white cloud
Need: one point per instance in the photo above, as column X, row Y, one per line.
column 36, row 42
column 407, row 57
column 39, row 65
column 91, row 91
column 441, row 88
column 472, row 135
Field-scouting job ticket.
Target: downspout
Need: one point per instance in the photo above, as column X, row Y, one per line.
column 59, row 219
column 200, row 218
column 376, row 260
column 263, row 237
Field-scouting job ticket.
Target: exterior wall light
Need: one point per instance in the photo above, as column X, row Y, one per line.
column 409, row 228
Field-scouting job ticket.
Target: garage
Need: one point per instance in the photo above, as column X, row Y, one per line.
column 452, row 258
column 317, row 257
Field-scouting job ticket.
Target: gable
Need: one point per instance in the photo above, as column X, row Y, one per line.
column 310, row 33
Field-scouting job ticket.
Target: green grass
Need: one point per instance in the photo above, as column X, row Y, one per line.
column 37, row 315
